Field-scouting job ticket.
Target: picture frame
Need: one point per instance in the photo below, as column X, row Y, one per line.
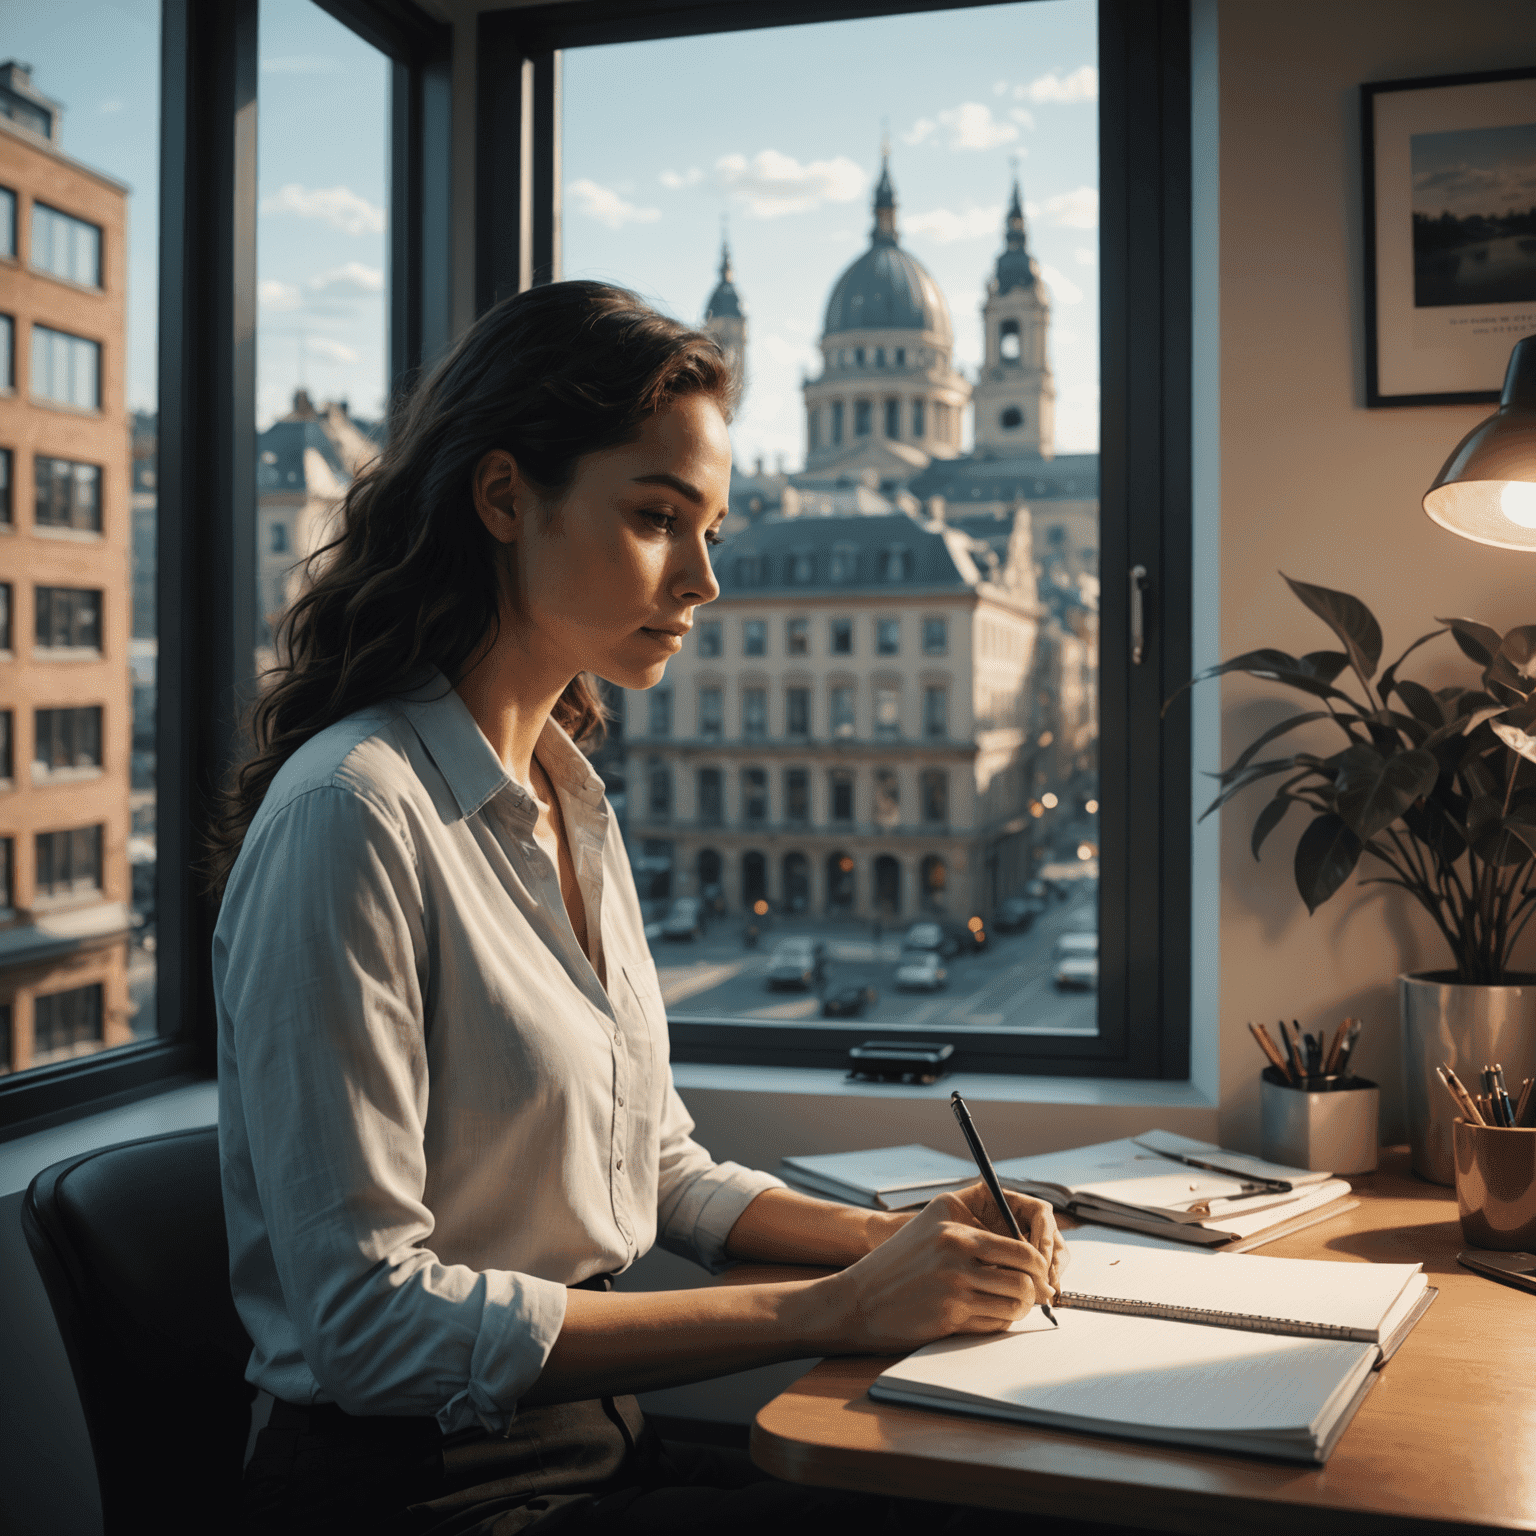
column 1450, row 276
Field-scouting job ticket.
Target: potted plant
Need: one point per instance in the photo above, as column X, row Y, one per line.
column 1430, row 790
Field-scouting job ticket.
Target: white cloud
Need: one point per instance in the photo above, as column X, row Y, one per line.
column 1063, row 289
column 339, row 207
column 607, row 207
column 674, row 180
column 1022, row 116
column 111, row 105
column 972, row 126
column 772, row 183
column 1086, row 256
column 1078, row 209
column 1081, row 85
column 922, row 129
column 351, row 277
column 299, row 64
column 271, row 294
column 332, row 351
column 1000, row 88
column 945, row 227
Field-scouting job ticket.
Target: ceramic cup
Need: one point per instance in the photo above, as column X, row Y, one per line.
column 1496, row 1185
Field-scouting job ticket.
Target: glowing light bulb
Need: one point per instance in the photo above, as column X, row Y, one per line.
column 1517, row 501
column 1048, row 800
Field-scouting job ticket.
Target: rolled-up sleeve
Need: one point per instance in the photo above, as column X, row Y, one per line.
column 698, row 1199
column 321, row 965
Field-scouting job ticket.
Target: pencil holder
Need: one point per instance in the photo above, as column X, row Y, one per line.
column 1496, row 1185
column 1330, row 1128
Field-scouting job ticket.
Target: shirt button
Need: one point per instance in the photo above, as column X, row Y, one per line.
column 621, row 1165
column 621, row 1101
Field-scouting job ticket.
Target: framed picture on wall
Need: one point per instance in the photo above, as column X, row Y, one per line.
column 1450, row 234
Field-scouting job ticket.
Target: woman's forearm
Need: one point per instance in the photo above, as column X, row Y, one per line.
column 782, row 1226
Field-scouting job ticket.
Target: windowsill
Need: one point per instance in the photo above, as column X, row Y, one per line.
column 67, row 653
column 95, row 289
column 46, row 778
column 44, row 403
column 74, row 535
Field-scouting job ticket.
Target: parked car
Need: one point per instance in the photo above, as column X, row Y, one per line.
column 798, row 962
column 1017, row 914
column 921, row 970
column 1076, row 962
column 936, row 938
column 848, row 1000
column 684, row 919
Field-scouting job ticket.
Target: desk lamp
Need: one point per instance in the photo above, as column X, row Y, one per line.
column 1487, row 489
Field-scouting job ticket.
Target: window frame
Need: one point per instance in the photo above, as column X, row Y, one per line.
column 206, row 580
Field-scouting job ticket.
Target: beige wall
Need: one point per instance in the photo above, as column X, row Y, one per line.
column 1313, row 484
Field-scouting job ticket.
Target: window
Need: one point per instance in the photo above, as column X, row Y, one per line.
column 68, row 863
column 840, row 637
column 7, row 480
column 1008, row 341
column 7, row 874
column 754, row 713
column 797, row 711
column 68, row 618
column 279, row 538
column 887, row 711
column 934, row 792
column 840, row 796
column 1011, row 418
column 7, row 222
column 863, row 416
column 754, row 637
column 893, row 418
column 66, row 246
column 887, row 637
column 7, row 353
column 65, row 1023
column 711, row 797
column 66, row 740
column 837, row 423
column 711, row 637
column 7, row 752
column 797, row 795
column 800, row 567
column 711, row 713
column 754, row 795
column 5, row 616
column 887, row 798
column 65, row 369
column 845, row 562
column 659, row 720
column 659, row 783
column 919, row 423
column 901, row 357
column 896, row 563
column 812, row 427
column 879, row 357
column 858, row 356
column 936, row 713
column 68, row 494
column 797, row 637
column 841, row 713
column 935, row 636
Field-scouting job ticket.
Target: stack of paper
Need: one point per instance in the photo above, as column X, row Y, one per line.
column 889, row 1178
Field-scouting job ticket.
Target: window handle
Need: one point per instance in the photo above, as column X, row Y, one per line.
column 1138, row 614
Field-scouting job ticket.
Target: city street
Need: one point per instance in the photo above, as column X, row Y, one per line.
column 1008, row 987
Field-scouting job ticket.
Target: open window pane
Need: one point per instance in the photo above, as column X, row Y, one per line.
column 907, row 654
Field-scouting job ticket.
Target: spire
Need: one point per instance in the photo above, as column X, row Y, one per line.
column 1016, row 235
column 885, row 200
column 1015, row 268
column 724, row 302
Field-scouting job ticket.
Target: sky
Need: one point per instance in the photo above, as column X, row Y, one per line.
column 1474, row 170
column 778, row 132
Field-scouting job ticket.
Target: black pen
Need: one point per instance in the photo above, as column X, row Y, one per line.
column 989, row 1175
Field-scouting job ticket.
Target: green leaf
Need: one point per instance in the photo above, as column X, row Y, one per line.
column 1373, row 791
column 1522, row 824
column 1388, row 680
column 1289, row 724
column 1273, row 666
column 1325, row 856
column 1434, row 827
column 1251, row 776
column 1518, row 649
column 1271, row 817
column 1348, row 618
column 1325, row 665
column 1478, row 643
column 1515, row 739
column 1422, row 702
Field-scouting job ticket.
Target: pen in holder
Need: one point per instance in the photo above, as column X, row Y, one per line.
column 1327, row 1122
column 1496, row 1184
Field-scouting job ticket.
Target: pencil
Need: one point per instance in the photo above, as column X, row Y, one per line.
column 1291, row 1051
column 1469, row 1107
column 1270, row 1049
column 1525, row 1100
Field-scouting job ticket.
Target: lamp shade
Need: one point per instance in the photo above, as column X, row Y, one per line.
column 1487, row 489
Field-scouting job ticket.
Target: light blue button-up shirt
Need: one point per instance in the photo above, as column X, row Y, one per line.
column 433, row 1115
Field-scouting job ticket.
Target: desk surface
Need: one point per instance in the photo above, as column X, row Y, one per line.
column 1441, row 1443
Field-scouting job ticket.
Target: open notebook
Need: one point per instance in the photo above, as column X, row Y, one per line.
column 1268, row 1357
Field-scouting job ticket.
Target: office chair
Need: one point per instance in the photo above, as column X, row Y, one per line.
column 130, row 1244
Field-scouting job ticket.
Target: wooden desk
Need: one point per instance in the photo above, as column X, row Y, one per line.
column 1446, row 1441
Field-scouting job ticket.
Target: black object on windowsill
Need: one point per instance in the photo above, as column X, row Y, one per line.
column 898, row 1061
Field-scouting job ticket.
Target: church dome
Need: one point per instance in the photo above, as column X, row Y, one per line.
column 887, row 289
column 724, row 302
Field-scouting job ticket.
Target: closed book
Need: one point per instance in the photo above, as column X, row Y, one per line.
column 892, row 1178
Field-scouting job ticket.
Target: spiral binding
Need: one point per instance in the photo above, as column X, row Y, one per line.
column 1246, row 1321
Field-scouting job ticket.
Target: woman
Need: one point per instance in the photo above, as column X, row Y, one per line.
column 446, row 1114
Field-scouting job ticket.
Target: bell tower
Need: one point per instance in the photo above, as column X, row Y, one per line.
column 725, row 317
column 1015, row 396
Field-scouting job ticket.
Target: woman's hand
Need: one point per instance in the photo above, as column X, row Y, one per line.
column 951, row 1269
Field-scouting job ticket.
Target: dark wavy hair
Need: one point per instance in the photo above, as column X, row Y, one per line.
column 411, row 577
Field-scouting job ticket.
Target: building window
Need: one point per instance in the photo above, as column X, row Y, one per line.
column 7, row 481
column 893, row 418
column 936, row 713
column 68, row 494
column 841, row 714
column 7, row 874
column 887, row 637
column 279, row 538
column 711, row 797
column 797, row 637
column 812, row 428
column 935, row 878
column 901, row 357
column 887, row 712
column 660, row 721
column 711, row 714
column 934, row 793
column 840, row 637
column 711, row 638
column 797, row 711
column 1011, row 418
column 837, row 422
column 863, row 417
column 69, row 863
column 68, row 618
column 845, row 562
column 935, row 636
column 858, row 357
column 840, row 795
column 887, row 798
column 66, row 369
column 7, row 752
column 66, row 739
column 63, row 1022
column 797, row 795
column 748, row 570
column 896, row 563
column 7, row 222
column 659, row 785
column 800, row 567
column 754, row 713
column 754, row 794
column 919, row 414
column 5, row 616
column 1008, row 341
column 941, row 415
column 879, row 357
column 7, row 353
column 66, row 246
column 754, row 637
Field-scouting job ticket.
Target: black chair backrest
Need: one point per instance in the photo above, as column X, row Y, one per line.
column 130, row 1244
